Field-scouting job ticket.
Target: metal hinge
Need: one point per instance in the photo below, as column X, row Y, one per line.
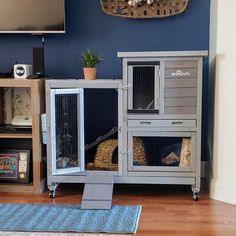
column 125, row 152
column 125, row 87
column 157, row 71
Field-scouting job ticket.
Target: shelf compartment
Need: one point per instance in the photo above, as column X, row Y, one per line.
column 161, row 151
column 30, row 140
column 20, row 83
column 16, row 135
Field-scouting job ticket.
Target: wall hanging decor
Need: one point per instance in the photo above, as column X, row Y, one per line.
column 144, row 8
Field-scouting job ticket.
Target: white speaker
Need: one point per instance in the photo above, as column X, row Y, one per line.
column 22, row 71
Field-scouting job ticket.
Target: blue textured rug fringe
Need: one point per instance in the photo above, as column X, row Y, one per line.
column 68, row 218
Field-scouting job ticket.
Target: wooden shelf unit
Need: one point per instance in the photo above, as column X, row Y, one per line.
column 15, row 135
column 37, row 108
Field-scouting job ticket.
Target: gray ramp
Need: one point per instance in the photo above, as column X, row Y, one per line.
column 98, row 191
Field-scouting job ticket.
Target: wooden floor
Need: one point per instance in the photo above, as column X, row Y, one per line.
column 167, row 210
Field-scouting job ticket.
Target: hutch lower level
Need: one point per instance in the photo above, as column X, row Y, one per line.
column 143, row 129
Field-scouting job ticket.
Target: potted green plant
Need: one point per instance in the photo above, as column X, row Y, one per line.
column 90, row 60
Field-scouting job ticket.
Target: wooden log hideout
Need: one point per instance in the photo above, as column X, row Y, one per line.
column 157, row 9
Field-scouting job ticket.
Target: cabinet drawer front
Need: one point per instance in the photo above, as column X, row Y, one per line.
column 181, row 73
column 181, row 64
column 162, row 123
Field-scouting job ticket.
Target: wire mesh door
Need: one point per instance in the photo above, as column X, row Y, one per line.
column 67, row 121
column 143, row 95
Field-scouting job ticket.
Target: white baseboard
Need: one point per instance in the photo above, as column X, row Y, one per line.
column 220, row 190
column 223, row 191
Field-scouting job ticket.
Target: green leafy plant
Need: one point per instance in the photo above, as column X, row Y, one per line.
column 89, row 59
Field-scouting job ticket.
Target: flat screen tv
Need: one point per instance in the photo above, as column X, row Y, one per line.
column 32, row 16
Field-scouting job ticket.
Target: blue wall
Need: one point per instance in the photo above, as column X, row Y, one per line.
column 88, row 27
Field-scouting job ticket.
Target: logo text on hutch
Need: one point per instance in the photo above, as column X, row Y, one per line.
column 180, row 73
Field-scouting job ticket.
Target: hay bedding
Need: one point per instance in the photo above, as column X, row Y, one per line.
column 104, row 158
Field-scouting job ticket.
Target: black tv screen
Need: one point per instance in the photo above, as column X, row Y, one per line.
column 32, row 16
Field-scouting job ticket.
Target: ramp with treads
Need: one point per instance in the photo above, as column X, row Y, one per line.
column 98, row 190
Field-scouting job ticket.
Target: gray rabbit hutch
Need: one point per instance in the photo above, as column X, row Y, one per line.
column 154, row 136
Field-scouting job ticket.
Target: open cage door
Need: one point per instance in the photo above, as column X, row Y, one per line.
column 67, row 130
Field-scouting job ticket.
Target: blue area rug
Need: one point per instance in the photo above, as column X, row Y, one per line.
column 68, row 218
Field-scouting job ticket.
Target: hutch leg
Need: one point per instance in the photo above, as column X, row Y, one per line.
column 196, row 191
column 52, row 190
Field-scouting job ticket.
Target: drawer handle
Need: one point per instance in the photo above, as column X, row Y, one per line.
column 145, row 123
column 177, row 123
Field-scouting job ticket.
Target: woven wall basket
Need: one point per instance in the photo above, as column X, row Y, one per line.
column 159, row 9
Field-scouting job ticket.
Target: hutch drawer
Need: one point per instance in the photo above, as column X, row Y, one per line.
column 162, row 123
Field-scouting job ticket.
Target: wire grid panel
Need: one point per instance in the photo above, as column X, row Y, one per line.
column 67, row 130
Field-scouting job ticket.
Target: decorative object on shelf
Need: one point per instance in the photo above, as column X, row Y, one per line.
column 144, row 8
column 136, row 2
column 22, row 71
column 16, row 101
column 15, row 166
column 90, row 60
